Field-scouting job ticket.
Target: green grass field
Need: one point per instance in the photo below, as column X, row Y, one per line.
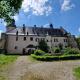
column 5, row 60
column 77, row 73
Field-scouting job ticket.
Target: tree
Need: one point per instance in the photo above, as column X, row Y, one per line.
column 9, row 8
column 43, row 45
column 78, row 42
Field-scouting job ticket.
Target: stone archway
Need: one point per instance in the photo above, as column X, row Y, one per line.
column 30, row 48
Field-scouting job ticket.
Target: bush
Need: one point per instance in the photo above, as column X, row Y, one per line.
column 56, row 50
column 73, row 51
column 42, row 45
column 55, row 58
column 39, row 52
column 47, row 54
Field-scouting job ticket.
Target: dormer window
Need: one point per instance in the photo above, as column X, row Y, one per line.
column 27, row 33
column 24, row 38
column 16, row 38
column 31, row 38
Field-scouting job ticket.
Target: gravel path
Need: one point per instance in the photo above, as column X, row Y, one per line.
column 24, row 69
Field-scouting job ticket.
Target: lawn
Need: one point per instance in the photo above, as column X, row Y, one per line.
column 5, row 60
column 77, row 73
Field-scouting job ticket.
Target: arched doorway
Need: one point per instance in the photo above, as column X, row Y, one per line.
column 30, row 48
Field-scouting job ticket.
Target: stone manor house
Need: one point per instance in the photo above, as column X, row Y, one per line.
column 17, row 39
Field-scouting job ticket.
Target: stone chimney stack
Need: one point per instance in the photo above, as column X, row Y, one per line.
column 51, row 25
column 24, row 29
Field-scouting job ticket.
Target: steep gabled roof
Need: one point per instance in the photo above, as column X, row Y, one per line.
column 39, row 31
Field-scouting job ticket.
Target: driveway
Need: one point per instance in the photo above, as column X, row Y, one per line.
column 25, row 69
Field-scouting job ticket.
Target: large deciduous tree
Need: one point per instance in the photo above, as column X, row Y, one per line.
column 9, row 8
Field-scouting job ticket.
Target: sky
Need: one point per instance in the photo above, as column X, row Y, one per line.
column 65, row 13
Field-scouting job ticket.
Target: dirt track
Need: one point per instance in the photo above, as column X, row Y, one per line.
column 24, row 69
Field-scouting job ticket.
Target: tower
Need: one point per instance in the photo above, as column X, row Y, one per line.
column 11, row 26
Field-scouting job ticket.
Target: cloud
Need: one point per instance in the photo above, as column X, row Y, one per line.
column 46, row 25
column 79, row 29
column 37, row 7
column 67, row 5
column 16, row 17
column 5, row 24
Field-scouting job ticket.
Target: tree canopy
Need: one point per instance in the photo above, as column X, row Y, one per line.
column 43, row 45
column 9, row 8
column 78, row 42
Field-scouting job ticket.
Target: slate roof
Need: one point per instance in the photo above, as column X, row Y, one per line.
column 40, row 31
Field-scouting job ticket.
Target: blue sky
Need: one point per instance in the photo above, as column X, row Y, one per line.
column 65, row 13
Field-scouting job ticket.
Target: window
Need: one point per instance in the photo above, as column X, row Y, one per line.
column 15, row 47
column 31, row 38
column 55, row 40
column 65, row 40
column 24, row 38
column 47, row 41
column 17, row 38
column 37, row 39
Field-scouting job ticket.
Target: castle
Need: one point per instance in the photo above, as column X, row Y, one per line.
column 26, row 37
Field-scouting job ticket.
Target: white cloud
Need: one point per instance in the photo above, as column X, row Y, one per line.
column 67, row 5
column 37, row 7
column 79, row 29
column 5, row 24
column 16, row 17
column 46, row 25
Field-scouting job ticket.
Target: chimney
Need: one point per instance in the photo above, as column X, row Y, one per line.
column 34, row 25
column 51, row 25
column 24, row 29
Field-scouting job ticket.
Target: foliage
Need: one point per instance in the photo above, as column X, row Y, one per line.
column 77, row 73
column 78, row 42
column 53, row 58
column 43, row 46
column 56, row 50
column 9, row 8
column 72, row 51
column 60, row 46
column 39, row 52
column 6, row 59
column 47, row 54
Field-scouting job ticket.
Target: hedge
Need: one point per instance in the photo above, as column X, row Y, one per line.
column 39, row 52
column 55, row 58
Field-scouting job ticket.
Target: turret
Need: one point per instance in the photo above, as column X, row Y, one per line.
column 11, row 26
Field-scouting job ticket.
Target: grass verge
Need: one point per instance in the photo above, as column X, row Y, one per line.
column 77, row 73
column 5, row 60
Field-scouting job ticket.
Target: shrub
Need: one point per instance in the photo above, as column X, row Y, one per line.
column 56, row 50
column 73, row 51
column 55, row 58
column 39, row 52
column 47, row 54
column 42, row 45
